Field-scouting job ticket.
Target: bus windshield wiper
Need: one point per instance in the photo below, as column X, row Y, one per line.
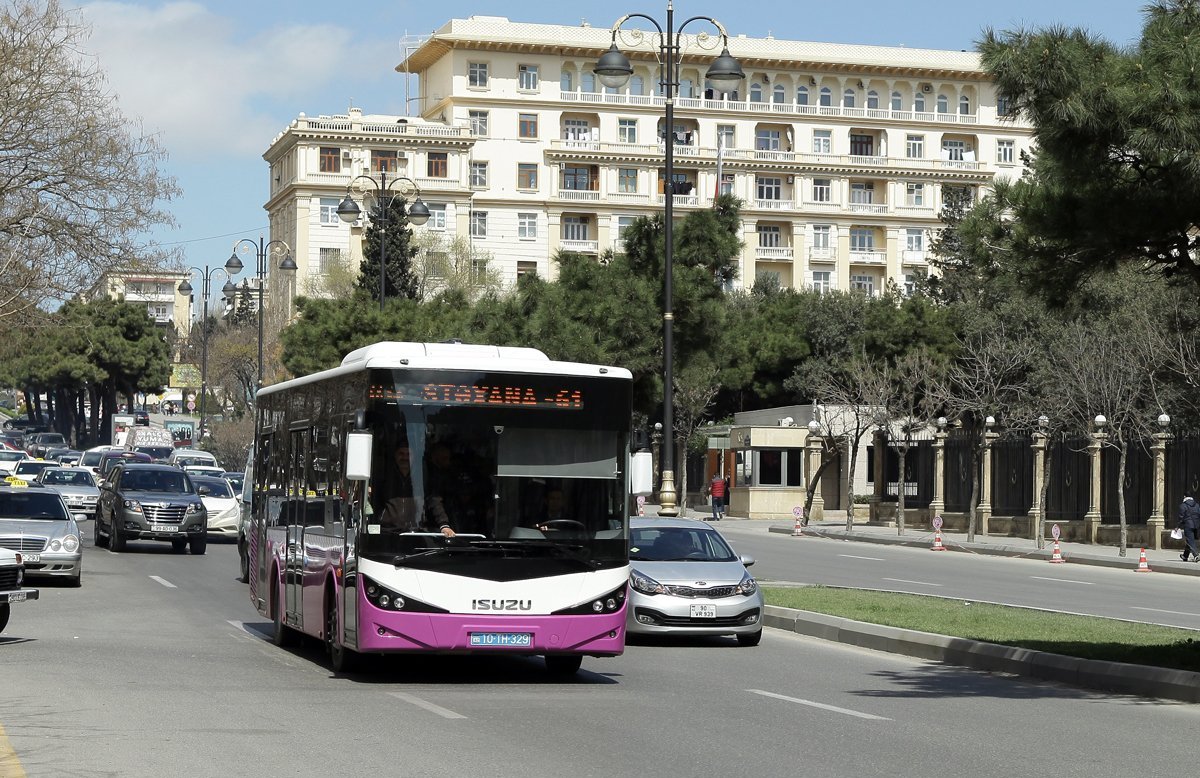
column 570, row 551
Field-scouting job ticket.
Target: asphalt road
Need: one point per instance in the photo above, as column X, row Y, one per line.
column 159, row 666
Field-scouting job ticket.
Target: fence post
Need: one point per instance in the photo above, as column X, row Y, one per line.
column 938, row 504
column 1157, row 520
column 1041, row 447
column 985, row 491
column 1091, row 519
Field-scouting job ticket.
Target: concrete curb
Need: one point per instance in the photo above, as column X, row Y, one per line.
column 1118, row 677
column 1000, row 549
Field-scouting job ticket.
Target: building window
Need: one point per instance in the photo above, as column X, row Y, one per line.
column 801, row 95
column 1005, row 152
column 862, row 145
column 526, row 267
column 862, row 192
column 873, row 99
column 1003, row 106
column 575, row 228
column 914, row 194
column 767, row 140
column 822, row 281
column 822, row 141
column 914, row 240
column 943, row 105
column 822, row 236
column 919, row 102
column 865, row 284
column 627, row 130
column 478, row 224
column 637, row 85
column 566, row 83
column 756, row 93
column 954, row 150
column 329, row 211
column 527, row 225
column 910, row 283
column 623, row 223
column 479, row 174
column 725, row 135
column 822, row 190
column 848, row 98
column 964, row 105
column 914, row 147
column 769, row 188
column 779, row 94
column 527, row 77
column 331, row 160
column 385, row 160
column 577, row 179
column 437, row 216
column 685, row 88
column 862, row 239
column 769, row 236
column 479, row 122
column 527, row 175
column 577, row 129
column 587, row 82
column 327, row 259
column 437, row 164
column 477, row 74
column 726, row 185
column 897, row 102
column 826, row 96
column 527, row 125
column 627, row 180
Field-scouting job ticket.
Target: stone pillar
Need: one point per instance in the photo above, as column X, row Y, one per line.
column 1091, row 519
column 938, row 503
column 880, row 457
column 985, row 487
column 1157, row 520
column 812, row 464
column 1041, row 449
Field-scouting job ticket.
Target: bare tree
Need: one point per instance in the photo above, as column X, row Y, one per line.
column 78, row 181
column 695, row 388
column 337, row 282
column 454, row 266
column 910, row 404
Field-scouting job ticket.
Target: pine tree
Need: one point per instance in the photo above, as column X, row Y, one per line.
column 401, row 281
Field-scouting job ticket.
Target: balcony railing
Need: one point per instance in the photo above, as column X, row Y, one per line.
column 867, row 257
column 775, row 253
column 580, row 246
column 684, row 201
column 578, row 195
column 438, row 183
column 912, row 257
column 867, row 207
column 773, row 205
column 629, row 198
column 822, row 254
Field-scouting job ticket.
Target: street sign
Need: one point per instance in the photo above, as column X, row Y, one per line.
column 641, row 500
column 1055, row 531
column 937, row 522
column 798, row 511
column 191, row 405
column 191, row 396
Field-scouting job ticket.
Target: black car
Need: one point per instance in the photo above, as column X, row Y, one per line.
column 39, row 443
column 150, row 502
column 142, row 418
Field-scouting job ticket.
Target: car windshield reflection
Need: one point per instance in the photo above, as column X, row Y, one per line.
column 677, row 544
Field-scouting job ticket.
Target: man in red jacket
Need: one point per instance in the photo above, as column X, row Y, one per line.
column 716, row 490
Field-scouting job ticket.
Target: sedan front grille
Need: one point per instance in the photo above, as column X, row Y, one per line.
column 24, row 544
column 163, row 514
column 689, row 591
column 663, row 620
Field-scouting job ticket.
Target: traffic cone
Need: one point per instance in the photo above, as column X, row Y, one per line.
column 798, row 528
column 1056, row 557
column 1143, row 567
column 937, row 541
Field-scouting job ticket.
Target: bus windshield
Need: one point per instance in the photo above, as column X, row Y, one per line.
column 537, row 473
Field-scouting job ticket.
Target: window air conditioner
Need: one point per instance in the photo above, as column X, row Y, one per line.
column 926, row 87
column 791, row 179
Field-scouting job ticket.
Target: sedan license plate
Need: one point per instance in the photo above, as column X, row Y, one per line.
column 17, row 596
column 164, row 528
column 501, row 639
column 31, row 557
column 704, row 611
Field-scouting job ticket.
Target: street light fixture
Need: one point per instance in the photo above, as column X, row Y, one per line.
column 725, row 75
column 263, row 249
column 227, row 290
column 418, row 214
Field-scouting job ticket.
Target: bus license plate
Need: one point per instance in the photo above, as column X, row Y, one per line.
column 501, row 639
column 164, row 528
column 31, row 557
column 17, row 596
column 704, row 611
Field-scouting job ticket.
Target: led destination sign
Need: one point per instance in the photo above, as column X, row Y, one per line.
column 505, row 395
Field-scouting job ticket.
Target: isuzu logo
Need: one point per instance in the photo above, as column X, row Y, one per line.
column 501, row 605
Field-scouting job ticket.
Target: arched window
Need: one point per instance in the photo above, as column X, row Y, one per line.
column 826, row 96
column 685, row 87
column 964, row 105
column 587, row 82
column 943, row 105
column 919, row 102
column 566, row 82
column 872, row 99
column 801, row 95
column 756, row 92
column 637, row 85
column 897, row 102
column 779, row 94
column 848, row 98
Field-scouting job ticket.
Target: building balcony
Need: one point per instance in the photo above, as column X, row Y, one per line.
column 578, row 195
column 438, row 183
column 910, row 257
column 822, row 206
column 822, row 254
column 916, row 210
column 867, row 257
column 774, row 253
column 628, row 198
column 580, row 246
column 773, row 205
column 682, row 201
column 867, row 207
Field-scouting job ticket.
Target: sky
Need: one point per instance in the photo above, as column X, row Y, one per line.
column 216, row 80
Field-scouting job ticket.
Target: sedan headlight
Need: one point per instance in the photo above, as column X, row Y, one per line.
column 645, row 584
column 70, row 543
column 747, row 585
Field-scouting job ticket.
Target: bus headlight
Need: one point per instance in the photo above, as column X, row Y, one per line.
column 607, row 603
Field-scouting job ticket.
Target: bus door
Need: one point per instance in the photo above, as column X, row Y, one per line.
column 296, row 511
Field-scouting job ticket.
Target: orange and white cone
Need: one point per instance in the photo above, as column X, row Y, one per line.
column 937, row 541
column 798, row 527
column 1056, row 556
column 1143, row 566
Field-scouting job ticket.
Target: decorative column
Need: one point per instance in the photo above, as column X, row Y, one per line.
column 880, row 456
column 1040, row 446
column 985, row 490
column 938, row 504
column 812, row 463
column 1091, row 519
column 1157, row 520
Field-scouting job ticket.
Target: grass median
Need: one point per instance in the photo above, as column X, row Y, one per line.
column 1086, row 637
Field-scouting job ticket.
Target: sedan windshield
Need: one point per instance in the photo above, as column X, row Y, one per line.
column 217, row 487
column 68, row 477
column 46, row 506
column 32, row 468
column 11, row 456
column 678, row 544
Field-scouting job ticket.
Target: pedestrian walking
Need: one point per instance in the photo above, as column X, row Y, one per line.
column 716, row 490
column 1189, row 522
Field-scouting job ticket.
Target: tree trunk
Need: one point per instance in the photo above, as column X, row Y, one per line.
column 851, row 457
column 971, row 514
column 1040, row 520
column 813, row 484
column 900, row 501
column 1123, row 461
column 94, row 397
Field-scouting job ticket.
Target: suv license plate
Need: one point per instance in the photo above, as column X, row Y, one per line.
column 17, row 596
column 704, row 611
column 164, row 528
column 501, row 638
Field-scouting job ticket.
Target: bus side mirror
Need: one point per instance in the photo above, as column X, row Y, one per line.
column 641, row 473
column 358, row 456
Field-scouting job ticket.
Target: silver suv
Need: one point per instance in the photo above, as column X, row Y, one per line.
column 150, row 502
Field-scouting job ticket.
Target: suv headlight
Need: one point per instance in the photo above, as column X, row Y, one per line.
column 133, row 505
column 747, row 585
column 195, row 508
column 645, row 584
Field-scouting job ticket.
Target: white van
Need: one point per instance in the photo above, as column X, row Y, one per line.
column 182, row 457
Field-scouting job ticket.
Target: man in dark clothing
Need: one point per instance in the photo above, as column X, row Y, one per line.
column 1189, row 521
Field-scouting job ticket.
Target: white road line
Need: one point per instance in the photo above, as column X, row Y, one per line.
column 164, row 582
column 429, row 706
column 820, row 705
column 1160, row 610
column 915, row 583
column 868, row 558
column 1062, row 580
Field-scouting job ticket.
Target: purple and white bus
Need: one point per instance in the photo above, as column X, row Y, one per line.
column 447, row 498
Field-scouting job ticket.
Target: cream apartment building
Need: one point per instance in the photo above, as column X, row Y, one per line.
column 840, row 153
column 157, row 290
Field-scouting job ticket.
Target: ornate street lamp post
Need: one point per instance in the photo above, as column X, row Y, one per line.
column 228, row 291
column 418, row 214
column 263, row 250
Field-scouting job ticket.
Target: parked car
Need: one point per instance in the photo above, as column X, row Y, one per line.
column 9, row 460
column 28, row 469
column 35, row 521
column 111, row 457
column 12, row 580
column 77, row 485
column 182, row 457
column 39, row 443
column 141, row 417
column 143, row 501
column 221, row 502
column 686, row 580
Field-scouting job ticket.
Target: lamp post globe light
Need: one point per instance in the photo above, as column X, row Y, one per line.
column 417, row 213
column 263, row 250
column 227, row 290
column 724, row 75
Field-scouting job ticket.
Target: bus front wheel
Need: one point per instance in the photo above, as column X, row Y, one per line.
column 341, row 659
column 282, row 634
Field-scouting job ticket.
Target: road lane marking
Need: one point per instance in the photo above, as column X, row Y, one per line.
column 10, row 766
column 821, row 705
column 429, row 706
column 1062, row 580
column 914, row 583
column 868, row 558
column 163, row 581
column 1160, row 610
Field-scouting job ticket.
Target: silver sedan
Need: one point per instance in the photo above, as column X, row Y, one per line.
column 35, row 522
column 77, row 485
column 686, row 580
